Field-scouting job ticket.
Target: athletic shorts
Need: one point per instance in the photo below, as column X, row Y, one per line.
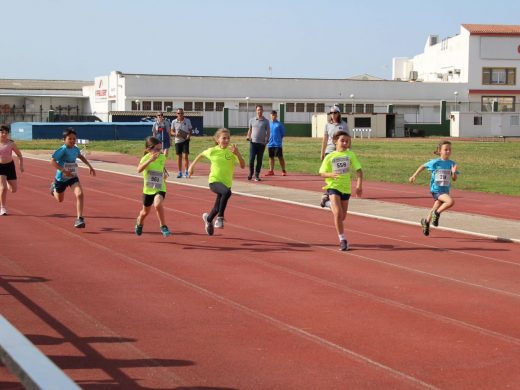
column 8, row 170
column 436, row 195
column 182, row 147
column 148, row 199
column 275, row 152
column 342, row 196
column 61, row 186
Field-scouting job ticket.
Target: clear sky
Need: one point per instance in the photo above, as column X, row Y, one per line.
column 78, row 40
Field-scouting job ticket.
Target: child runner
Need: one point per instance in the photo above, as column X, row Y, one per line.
column 335, row 168
column 7, row 168
column 223, row 158
column 64, row 160
column 154, row 189
column 443, row 171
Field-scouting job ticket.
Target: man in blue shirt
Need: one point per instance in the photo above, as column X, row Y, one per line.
column 274, row 146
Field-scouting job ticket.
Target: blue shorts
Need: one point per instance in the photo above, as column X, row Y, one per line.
column 61, row 186
column 436, row 195
column 342, row 196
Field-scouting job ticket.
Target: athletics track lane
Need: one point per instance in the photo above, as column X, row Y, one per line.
column 268, row 302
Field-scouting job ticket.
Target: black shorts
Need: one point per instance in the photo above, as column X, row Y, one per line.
column 8, row 170
column 342, row 196
column 148, row 199
column 275, row 152
column 182, row 147
column 61, row 186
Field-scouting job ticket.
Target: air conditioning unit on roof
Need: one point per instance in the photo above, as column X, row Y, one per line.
column 414, row 75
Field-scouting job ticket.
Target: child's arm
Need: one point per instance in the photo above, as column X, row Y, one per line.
column 454, row 172
column 323, row 146
column 329, row 175
column 236, row 152
column 359, row 184
column 142, row 166
column 85, row 161
column 414, row 176
column 64, row 172
column 19, row 154
column 190, row 168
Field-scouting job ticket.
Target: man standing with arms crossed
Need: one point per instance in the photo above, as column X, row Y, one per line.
column 181, row 130
column 258, row 135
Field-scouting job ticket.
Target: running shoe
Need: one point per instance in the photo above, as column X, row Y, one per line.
column 284, row 173
column 186, row 174
column 179, row 176
column 138, row 229
column 80, row 223
column 3, row 211
column 269, row 173
column 324, row 199
column 425, row 227
column 208, row 225
column 435, row 218
column 257, row 178
column 165, row 231
column 219, row 223
column 53, row 188
column 249, row 177
column 343, row 245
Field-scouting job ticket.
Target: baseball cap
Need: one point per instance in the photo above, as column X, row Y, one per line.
column 334, row 108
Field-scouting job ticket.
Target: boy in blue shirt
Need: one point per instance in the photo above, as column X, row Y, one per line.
column 64, row 160
column 274, row 146
column 443, row 171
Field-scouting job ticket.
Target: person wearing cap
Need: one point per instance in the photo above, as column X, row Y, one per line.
column 334, row 124
column 161, row 131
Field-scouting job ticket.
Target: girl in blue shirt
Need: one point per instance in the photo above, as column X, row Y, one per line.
column 443, row 171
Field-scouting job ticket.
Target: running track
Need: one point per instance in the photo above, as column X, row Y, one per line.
column 267, row 303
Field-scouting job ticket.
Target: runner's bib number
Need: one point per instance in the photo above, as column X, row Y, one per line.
column 72, row 168
column 443, row 177
column 340, row 165
column 154, row 179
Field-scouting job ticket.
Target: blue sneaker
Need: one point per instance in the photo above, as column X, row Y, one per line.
column 53, row 188
column 186, row 174
column 138, row 229
column 165, row 231
column 179, row 176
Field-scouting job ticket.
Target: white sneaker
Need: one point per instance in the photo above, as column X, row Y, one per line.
column 3, row 211
column 219, row 223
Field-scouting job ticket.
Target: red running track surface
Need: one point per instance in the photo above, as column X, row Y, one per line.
column 267, row 303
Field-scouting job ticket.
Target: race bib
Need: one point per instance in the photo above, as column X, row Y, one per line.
column 340, row 165
column 154, row 180
column 72, row 168
column 443, row 177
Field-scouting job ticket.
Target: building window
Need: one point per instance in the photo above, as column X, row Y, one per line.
column 369, row 108
column 498, row 76
column 188, row 106
column 348, row 107
column 477, row 121
column 209, row 106
column 498, row 103
column 320, row 107
column 135, row 105
column 157, row 106
column 219, row 106
column 310, row 107
column 300, row 107
column 168, row 106
column 199, row 106
column 147, row 105
column 359, row 108
column 289, row 107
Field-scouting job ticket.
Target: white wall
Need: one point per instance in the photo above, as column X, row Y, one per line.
column 494, row 124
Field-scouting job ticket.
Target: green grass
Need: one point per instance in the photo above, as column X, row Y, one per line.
column 485, row 166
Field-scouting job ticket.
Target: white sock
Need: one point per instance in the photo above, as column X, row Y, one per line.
column 341, row 237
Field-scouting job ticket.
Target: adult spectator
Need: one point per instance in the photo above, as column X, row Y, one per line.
column 274, row 146
column 161, row 131
column 258, row 135
column 181, row 130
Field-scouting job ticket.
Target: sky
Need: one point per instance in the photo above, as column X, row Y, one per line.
column 79, row 40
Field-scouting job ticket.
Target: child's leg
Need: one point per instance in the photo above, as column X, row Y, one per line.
column 271, row 164
column 78, row 192
column 143, row 214
column 282, row 162
column 179, row 162
column 435, row 207
column 159, row 209
column 12, row 185
column 3, row 190
column 446, row 203
column 186, row 161
column 339, row 210
column 223, row 195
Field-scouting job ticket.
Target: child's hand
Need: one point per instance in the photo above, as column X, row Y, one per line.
column 359, row 192
column 155, row 156
column 65, row 172
column 233, row 148
column 412, row 179
column 92, row 171
column 454, row 169
column 190, row 171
